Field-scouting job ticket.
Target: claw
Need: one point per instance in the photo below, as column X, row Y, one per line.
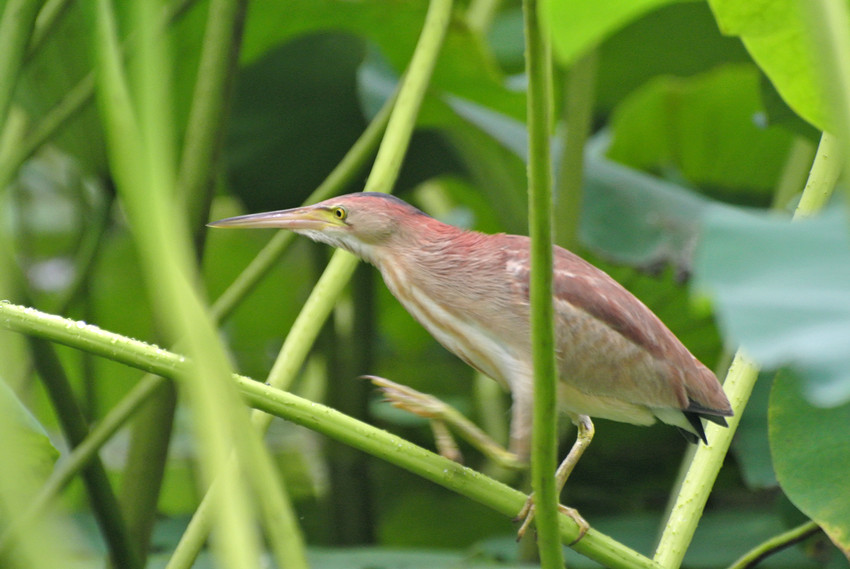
column 526, row 515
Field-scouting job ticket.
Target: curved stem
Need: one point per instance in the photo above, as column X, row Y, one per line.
column 775, row 544
column 318, row 417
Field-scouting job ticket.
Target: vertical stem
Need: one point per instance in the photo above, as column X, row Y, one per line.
column 738, row 385
column 544, row 432
column 824, row 174
column 210, row 104
column 578, row 118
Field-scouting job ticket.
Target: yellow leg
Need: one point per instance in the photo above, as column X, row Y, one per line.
column 443, row 416
column 583, row 438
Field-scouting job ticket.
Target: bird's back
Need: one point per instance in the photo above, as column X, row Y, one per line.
column 616, row 359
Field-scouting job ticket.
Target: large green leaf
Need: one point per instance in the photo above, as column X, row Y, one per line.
column 705, row 128
column 574, row 26
column 775, row 34
column 781, row 291
column 811, row 455
column 465, row 67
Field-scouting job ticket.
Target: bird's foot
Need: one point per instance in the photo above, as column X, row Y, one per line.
column 526, row 515
column 408, row 399
column 444, row 418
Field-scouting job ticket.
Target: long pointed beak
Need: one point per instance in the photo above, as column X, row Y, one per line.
column 309, row 217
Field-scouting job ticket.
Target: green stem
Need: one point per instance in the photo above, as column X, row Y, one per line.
column 141, row 155
column 202, row 143
column 49, row 17
column 325, row 420
column 545, row 429
column 775, row 544
column 210, row 103
column 16, row 28
column 578, row 119
column 103, row 501
column 824, row 174
column 738, row 385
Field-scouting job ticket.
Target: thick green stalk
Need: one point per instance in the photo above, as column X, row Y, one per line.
column 202, row 144
column 341, row 267
column 142, row 158
column 538, row 67
column 738, row 385
column 330, row 422
column 578, row 118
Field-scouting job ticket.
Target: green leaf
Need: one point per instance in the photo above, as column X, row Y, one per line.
column 811, row 454
column 775, row 35
column 24, row 439
column 465, row 67
column 574, row 26
column 704, row 127
column 780, row 291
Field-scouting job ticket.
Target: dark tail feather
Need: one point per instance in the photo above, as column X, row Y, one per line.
column 694, row 413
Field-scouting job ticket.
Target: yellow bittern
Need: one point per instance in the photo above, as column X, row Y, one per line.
column 616, row 360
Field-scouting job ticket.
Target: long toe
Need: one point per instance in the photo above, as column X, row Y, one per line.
column 526, row 515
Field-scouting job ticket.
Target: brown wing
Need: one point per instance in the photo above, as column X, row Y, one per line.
column 679, row 378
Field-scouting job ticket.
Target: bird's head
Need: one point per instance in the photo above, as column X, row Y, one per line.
column 358, row 222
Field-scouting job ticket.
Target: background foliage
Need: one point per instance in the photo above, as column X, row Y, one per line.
column 693, row 137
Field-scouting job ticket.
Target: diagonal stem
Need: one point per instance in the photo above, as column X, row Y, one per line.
column 738, row 385
column 320, row 418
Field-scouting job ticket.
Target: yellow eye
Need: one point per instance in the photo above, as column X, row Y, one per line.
column 339, row 213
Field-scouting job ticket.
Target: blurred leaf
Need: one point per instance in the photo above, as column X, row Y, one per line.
column 294, row 117
column 574, row 26
column 656, row 221
column 24, row 439
column 781, row 291
column 775, row 35
column 811, row 453
column 465, row 68
column 750, row 445
column 679, row 39
column 705, row 127
column 65, row 58
column 455, row 522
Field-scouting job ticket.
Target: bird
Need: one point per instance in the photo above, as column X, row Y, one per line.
column 615, row 358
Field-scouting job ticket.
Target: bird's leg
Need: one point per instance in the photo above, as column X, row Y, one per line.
column 442, row 417
column 583, row 438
